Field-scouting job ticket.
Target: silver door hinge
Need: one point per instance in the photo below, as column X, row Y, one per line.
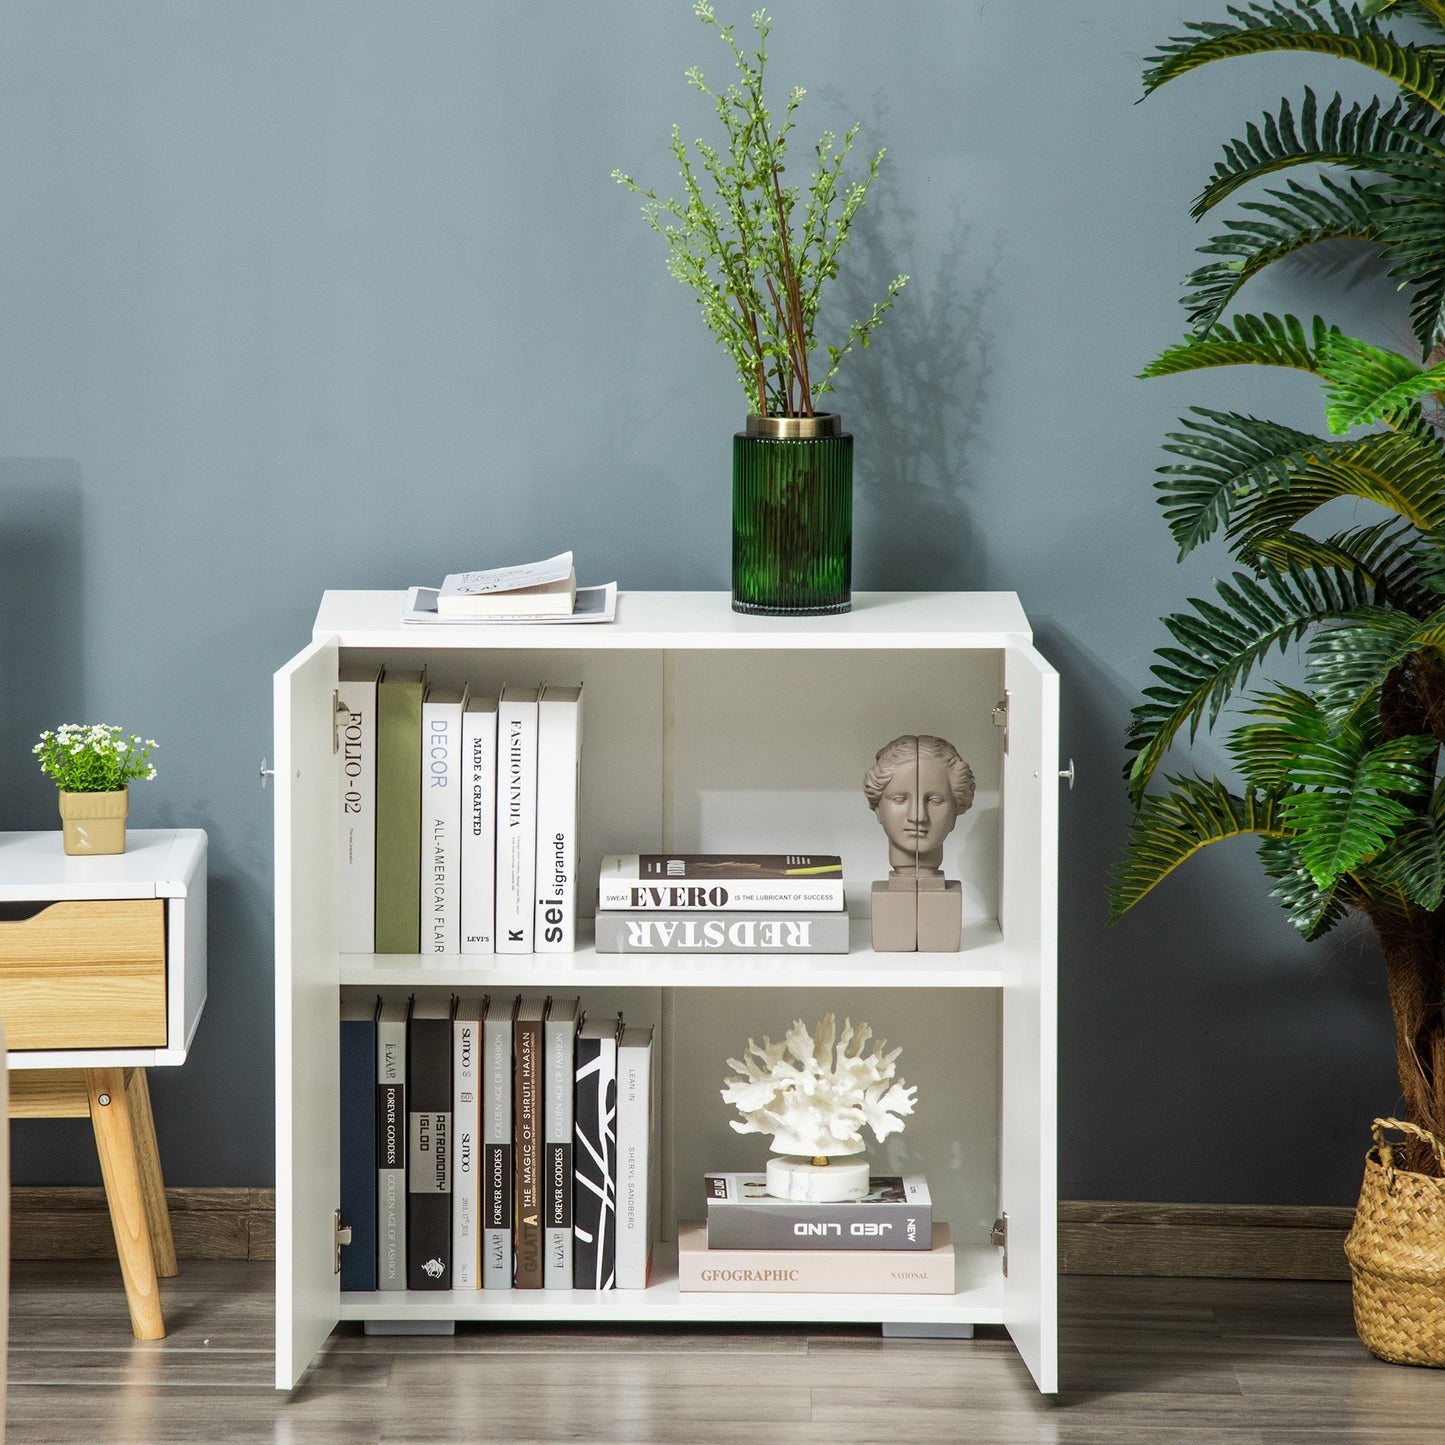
column 340, row 716
column 1000, row 719
column 340, row 1234
column 998, row 1237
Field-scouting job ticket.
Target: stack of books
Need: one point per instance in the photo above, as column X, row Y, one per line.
column 495, row 1144
column 884, row 1243
column 458, row 815
column 721, row 903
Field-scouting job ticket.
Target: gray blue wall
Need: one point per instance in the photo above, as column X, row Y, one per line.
column 297, row 295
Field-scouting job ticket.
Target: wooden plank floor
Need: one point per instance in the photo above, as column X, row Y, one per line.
column 1144, row 1362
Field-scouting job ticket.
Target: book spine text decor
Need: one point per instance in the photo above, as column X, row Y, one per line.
column 693, row 882
column 398, row 812
column 467, row 1142
column 441, row 819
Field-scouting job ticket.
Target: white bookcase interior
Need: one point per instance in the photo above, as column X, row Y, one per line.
column 707, row 731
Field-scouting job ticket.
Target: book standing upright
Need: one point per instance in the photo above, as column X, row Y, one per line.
column 527, row 1159
column 358, row 1142
column 637, row 1160
column 560, row 1042
column 516, row 817
column 559, row 762
column 391, row 1132
column 594, row 1155
column 429, row 1142
column 440, row 878
column 398, row 811
column 356, row 753
column 467, row 1027
column 497, row 1146
column 479, row 825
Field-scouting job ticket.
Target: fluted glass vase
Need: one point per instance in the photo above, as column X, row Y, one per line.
column 793, row 516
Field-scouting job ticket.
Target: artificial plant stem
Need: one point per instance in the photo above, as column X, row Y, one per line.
column 797, row 335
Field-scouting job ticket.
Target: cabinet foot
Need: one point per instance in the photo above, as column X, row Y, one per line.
column 927, row 1332
column 409, row 1327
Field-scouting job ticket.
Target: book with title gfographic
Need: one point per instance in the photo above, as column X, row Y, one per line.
column 812, row 1271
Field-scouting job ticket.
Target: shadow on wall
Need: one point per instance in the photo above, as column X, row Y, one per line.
column 917, row 412
column 42, row 661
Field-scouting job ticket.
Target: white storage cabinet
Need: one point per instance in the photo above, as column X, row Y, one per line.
column 707, row 731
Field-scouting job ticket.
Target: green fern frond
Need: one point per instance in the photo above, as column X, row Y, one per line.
column 1300, row 26
column 1170, row 827
column 1413, row 230
column 1349, row 664
column 1264, row 751
column 1313, row 910
column 1412, row 864
column 1353, row 799
column 1386, row 555
column 1431, row 12
column 1219, row 647
column 1295, row 218
column 1400, row 471
column 1228, row 458
column 1369, row 384
column 1248, row 341
column 1369, row 136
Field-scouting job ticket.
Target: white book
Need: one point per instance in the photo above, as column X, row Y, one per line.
column 516, row 817
column 559, row 1046
column 467, row 1141
column 637, row 1155
column 533, row 589
column 497, row 1146
column 356, row 691
column 559, row 763
column 441, row 819
column 479, row 825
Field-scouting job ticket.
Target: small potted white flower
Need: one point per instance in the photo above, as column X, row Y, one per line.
column 92, row 765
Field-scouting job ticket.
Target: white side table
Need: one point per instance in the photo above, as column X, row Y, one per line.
column 102, row 976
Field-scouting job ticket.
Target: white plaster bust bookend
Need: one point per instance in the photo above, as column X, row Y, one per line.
column 815, row 1096
column 919, row 787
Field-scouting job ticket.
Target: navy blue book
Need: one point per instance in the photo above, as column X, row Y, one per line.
column 358, row 1142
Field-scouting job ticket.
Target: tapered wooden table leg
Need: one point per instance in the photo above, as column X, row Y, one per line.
column 115, row 1142
column 153, row 1185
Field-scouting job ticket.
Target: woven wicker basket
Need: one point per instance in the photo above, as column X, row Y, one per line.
column 1396, row 1250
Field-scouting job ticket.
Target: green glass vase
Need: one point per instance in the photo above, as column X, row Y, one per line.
column 793, row 516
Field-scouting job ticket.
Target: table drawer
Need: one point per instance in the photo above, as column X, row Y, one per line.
column 84, row 975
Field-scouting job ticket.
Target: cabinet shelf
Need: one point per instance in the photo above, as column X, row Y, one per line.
column 708, row 731
column 980, row 964
column 978, row 1300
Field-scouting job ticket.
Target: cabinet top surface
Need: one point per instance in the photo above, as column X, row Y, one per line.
column 157, row 863
column 697, row 620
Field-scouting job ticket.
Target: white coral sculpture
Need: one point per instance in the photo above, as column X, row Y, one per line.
column 815, row 1096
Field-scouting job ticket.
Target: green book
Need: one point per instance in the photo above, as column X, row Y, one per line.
column 398, row 811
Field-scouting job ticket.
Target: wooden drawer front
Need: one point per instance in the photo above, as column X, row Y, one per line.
column 85, row 975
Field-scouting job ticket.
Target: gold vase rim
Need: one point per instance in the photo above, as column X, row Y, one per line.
column 820, row 424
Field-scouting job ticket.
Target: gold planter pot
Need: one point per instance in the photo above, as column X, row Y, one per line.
column 94, row 822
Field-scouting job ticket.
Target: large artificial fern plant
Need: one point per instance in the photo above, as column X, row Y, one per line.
column 1338, row 776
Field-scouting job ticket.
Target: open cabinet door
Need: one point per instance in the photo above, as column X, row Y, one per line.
column 308, row 1148
column 1028, row 1133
